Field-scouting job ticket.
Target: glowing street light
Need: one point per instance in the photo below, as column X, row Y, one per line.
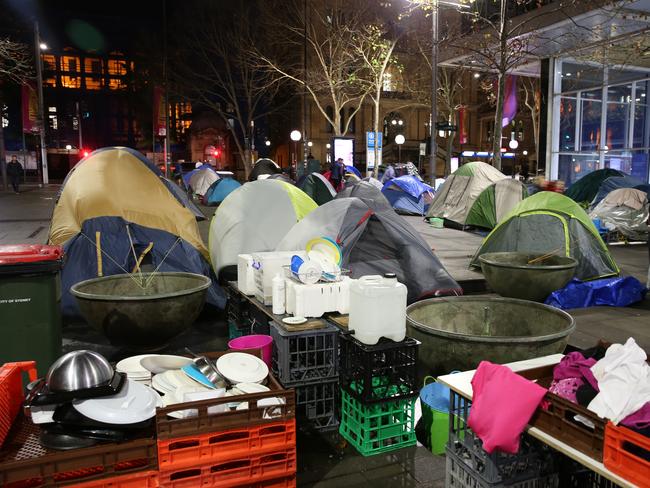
column 43, row 46
column 310, row 144
column 399, row 140
column 267, row 142
column 295, row 137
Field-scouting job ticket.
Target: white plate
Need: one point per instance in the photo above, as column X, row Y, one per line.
column 132, row 367
column 159, row 363
column 252, row 388
column 294, row 320
column 134, row 403
column 160, row 383
column 239, row 367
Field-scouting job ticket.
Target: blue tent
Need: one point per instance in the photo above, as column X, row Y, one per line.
column 188, row 175
column 614, row 183
column 408, row 195
column 352, row 169
column 220, row 189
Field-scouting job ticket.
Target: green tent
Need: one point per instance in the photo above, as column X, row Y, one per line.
column 495, row 202
column 550, row 222
column 586, row 188
column 317, row 187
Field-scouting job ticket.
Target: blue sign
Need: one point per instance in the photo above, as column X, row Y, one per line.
column 370, row 140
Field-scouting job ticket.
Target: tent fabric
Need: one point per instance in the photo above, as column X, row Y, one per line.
column 351, row 179
column 317, row 187
column 626, row 211
column 550, row 222
column 281, row 177
column 374, row 242
column 220, row 189
column 369, row 194
column 374, row 182
column 255, row 218
column 189, row 174
column 181, row 196
column 353, row 170
column 614, row 183
column 495, row 202
column 408, row 195
column 114, row 192
column 264, row 166
column 454, row 200
column 202, row 179
column 586, row 188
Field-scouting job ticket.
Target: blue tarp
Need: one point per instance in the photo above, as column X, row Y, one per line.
column 220, row 189
column 117, row 256
column 614, row 183
column 409, row 184
column 613, row 292
column 404, row 203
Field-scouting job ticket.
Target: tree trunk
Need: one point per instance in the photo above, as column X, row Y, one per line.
column 375, row 128
column 498, row 121
column 450, row 146
column 3, row 158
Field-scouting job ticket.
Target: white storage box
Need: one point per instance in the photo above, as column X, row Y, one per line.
column 265, row 266
column 317, row 299
column 245, row 274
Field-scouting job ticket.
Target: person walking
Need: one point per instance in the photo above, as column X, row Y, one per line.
column 15, row 173
column 337, row 172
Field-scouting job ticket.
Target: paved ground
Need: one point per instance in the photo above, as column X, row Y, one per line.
column 324, row 460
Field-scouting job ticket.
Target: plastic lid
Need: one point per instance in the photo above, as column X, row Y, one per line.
column 390, row 275
column 29, row 253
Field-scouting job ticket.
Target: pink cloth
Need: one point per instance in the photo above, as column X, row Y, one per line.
column 639, row 419
column 502, row 404
column 575, row 365
column 566, row 388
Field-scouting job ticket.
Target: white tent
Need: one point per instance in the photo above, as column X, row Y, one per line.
column 624, row 210
column 201, row 181
column 456, row 196
column 254, row 218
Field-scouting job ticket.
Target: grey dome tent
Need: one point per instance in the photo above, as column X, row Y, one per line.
column 495, row 202
column 549, row 222
column 374, row 182
column 281, row 177
column 264, row 166
column 375, row 243
column 369, row 193
column 317, row 187
column 614, row 183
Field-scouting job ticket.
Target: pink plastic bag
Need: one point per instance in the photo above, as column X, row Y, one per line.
column 502, row 404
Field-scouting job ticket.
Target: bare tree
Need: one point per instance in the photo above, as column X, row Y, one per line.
column 213, row 68
column 532, row 101
column 16, row 66
column 326, row 36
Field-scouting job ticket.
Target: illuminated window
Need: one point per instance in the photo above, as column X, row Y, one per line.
column 70, row 63
column 50, row 81
column 93, row 83
column 49, row 62
column 93, row 66
column 51, row 109
column 116, row 84
column 116, row 67
column 181, row 112
column 70, row 81
column 54, row 123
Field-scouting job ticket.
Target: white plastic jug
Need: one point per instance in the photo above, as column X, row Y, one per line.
column 377, row 308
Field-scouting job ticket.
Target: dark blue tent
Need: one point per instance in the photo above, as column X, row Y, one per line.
column 220, row 189
column 645, row 187
column 614, row 183
column 408, row 195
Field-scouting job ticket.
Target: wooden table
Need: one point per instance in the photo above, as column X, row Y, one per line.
column 461, row 384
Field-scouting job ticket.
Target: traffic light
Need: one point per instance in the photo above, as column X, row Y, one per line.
column 217, row 153
column 85, row 153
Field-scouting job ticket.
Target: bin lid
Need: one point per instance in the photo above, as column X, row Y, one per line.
column 29, row 253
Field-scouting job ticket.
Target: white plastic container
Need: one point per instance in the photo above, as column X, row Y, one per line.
column 303, row 300
column 245, row 274
column 266, row 265
column 377, row 308
column 278, row 294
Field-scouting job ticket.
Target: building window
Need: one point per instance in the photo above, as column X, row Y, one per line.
column 49, row 62
column 180, row 113
column 116, row 84
column 54, row 123
column 93, row 83
column 70, row 63
column 70, row 81
column 93, row 66
column 116, row 67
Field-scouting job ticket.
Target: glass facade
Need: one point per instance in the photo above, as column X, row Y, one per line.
column 601, row 119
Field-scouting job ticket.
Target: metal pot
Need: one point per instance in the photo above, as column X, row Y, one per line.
column 79, row 370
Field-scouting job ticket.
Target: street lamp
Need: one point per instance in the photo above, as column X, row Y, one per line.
column 68, row 147
column 267, row 142
column 310, row 144
column 399, row 140
column 43, row 46
column 295, row 137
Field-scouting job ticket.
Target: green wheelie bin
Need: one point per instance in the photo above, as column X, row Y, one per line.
column 30, row 304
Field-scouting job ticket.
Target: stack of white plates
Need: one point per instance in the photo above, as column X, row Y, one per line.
column 134, row 370
column 239, row 367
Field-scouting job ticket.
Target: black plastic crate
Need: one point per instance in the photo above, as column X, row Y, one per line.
column 386, row 370
column 534, row 459
column 305, row 356
column 575, row 475
column 317, row 405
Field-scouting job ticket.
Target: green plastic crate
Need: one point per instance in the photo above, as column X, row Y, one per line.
column 377, row 427
column 234, row 332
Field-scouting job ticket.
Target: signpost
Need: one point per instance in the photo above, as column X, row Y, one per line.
column 370, row 150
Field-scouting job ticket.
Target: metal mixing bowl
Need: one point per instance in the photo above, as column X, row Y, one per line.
column 79, row 370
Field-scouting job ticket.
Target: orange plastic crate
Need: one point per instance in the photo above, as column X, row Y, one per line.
column 245, row 472
column 145, row 479
column 618, row 458
column 286, row 482
column 226, row 445
column 11, row 392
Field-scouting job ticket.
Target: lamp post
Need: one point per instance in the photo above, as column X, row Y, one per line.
column 295, row 137
column 399, row 140
column 39, row 45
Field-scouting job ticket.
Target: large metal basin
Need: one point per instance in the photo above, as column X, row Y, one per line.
column 137, row 316
column 510, row 275
column 459, row 332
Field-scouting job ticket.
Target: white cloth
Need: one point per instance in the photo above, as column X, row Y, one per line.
column 623, row 380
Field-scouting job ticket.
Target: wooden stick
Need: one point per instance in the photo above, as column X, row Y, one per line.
column 544, row 257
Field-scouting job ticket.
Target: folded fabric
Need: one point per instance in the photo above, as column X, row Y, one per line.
column 575, row 365
column 639, row 419
column 623, row 380
column 503, row 402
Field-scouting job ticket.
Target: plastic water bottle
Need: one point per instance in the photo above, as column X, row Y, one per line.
column 277, row 287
